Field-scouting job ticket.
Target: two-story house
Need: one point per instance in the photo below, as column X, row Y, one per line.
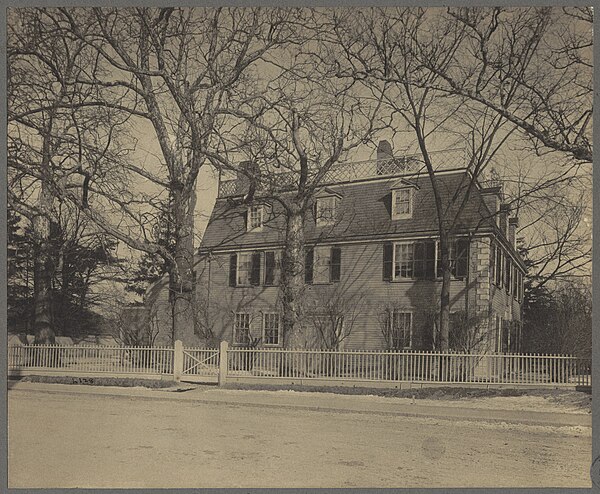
column 372, row 274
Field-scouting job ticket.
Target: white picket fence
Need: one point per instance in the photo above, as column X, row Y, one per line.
column 83, row 359
column 218, row 364
column 424, row 367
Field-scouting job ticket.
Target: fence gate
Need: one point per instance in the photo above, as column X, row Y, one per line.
column 200, row 365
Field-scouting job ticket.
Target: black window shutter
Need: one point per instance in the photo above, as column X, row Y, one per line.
column 269, row 268
column 232, row 269
column 308, row 265
column 388, row 260
column 419, row 260
column 255, row 273
column 430, row 259
column 335, row 266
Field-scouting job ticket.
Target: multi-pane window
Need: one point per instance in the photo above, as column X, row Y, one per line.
column 255, row 217
column 325, row 210
column 417, row 260
column 271, row 322
column 499, row 270
column 403, row 261
column 402, row 203
column 322, row 264
column 401, row 329
column 241, row 329
column 244, row 268
column 507, row 274
column 457, row 257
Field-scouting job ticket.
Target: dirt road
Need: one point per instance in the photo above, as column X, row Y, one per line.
column 60, row 440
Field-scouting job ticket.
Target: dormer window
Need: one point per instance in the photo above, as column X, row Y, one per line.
column 326, row 205
column 402, row 199
column 255, row 218
column 402, row 206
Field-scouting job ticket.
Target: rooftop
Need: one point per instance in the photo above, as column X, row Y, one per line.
column 357, row 171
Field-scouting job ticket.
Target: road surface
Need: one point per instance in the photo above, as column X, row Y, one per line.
column 61, row 440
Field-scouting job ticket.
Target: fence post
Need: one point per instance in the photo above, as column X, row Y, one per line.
column 223, row 363
column 178, row 361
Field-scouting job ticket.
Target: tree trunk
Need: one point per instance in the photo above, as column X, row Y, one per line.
column 181, row 273
column 292, row 278
column 42, row 270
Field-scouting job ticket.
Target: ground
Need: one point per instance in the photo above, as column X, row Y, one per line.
column 227, row 438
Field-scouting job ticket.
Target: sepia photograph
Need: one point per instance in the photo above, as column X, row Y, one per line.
column 299, row 247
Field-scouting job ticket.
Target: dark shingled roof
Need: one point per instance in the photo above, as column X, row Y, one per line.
column 363, row 212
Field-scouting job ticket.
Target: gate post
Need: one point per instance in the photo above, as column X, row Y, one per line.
column 223, row 363
column 178, row 361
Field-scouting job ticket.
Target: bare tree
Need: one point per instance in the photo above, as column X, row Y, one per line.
column 384, row 49
column 304, row 122
column 532, row 66
column 333, row 313
column 174, row 71
column 52, row 136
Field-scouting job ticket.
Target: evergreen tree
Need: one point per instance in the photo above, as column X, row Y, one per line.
column 19, row 274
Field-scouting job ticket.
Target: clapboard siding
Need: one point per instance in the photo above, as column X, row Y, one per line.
column 361, row 288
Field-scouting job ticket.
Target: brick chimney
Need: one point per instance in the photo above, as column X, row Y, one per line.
column 503, row 219
column 492, row 196
column 384, row 154
column 513, row 224
column 248, row 172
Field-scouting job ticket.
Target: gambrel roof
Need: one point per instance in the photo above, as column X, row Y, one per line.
column 364, row 214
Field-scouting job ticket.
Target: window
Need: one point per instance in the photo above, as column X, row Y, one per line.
column 255, row 218
column 323, row 264
column 401, row 329
column 507, row 274
column 492, row 261
column 241, row 329
column 403, row 261
column 515, row 282
column 244, row 269
column 520, row 287
column 418, row 260
column 498, row 270
column 458, row 257
column 401, row 203
column 325, row 210
column 271, row 322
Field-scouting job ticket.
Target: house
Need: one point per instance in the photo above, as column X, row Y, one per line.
column 372, row 278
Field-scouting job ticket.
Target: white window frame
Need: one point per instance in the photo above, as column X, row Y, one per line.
column 237, row 268
column 402, row 216
column 260, row 209
column 410, row 335
column 236, row 328
column 264, row 326
column 403, row 278
column 321, row 265
column 320, row 221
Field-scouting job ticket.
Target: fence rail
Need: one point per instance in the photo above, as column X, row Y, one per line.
column 430, row 367
column 324, row 365
column 96, row 359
